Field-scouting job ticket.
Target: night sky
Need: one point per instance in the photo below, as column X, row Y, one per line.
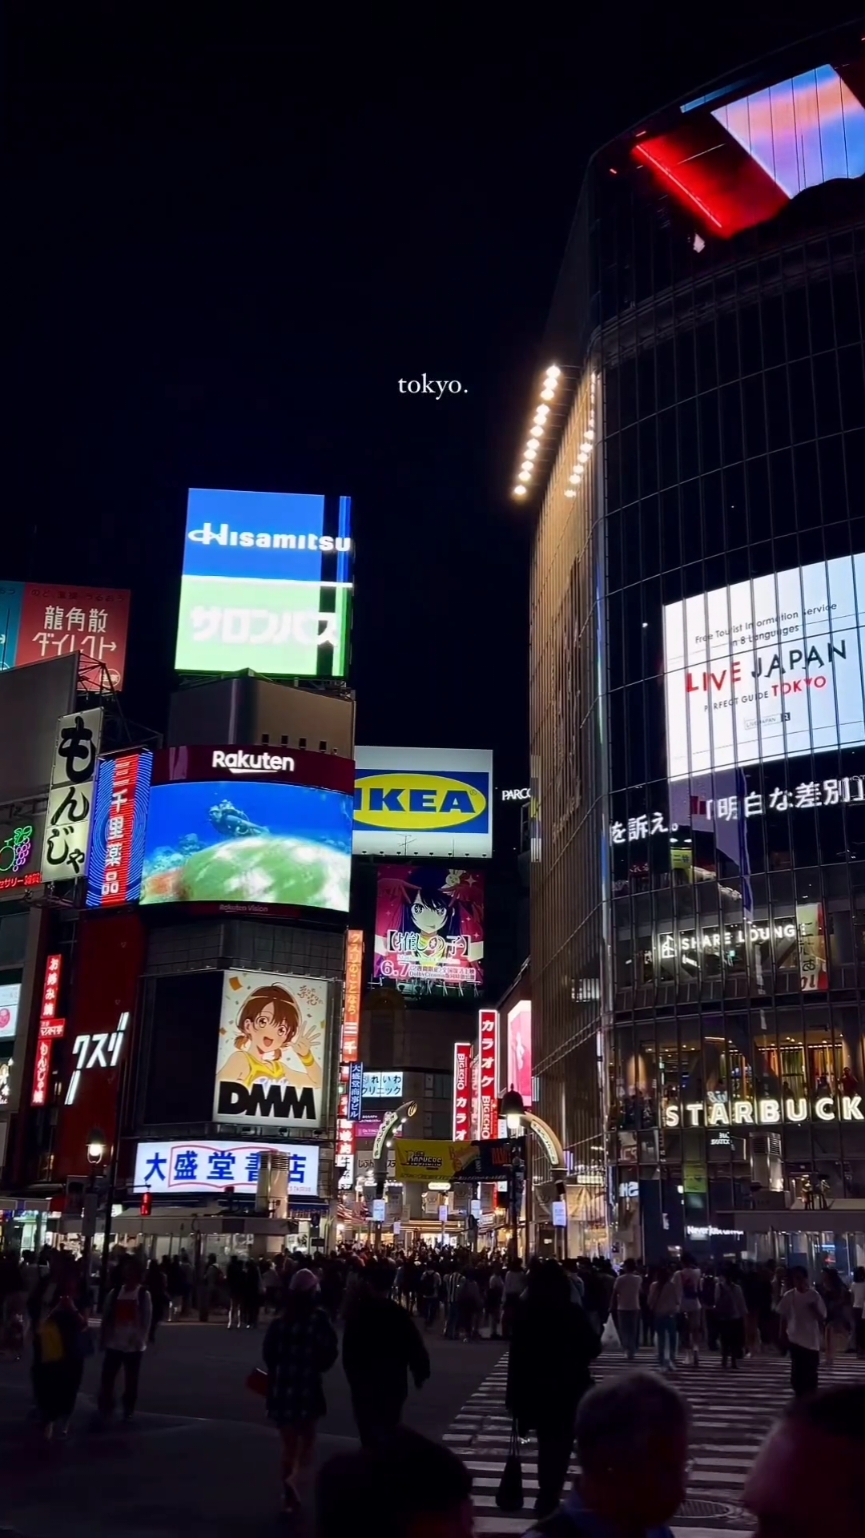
column 224, row 247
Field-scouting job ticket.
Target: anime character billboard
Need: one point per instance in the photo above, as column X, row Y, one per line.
column 270, row 1061
column 429, row 930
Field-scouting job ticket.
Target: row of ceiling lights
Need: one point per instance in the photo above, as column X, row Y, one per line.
column 537, row 430
column 585, row 449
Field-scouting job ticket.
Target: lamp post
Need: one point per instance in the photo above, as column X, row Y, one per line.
column 95, row 1156
column 512, row 1110
column 393, row 1123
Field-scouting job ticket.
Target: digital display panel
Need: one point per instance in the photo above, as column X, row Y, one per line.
column 116, row 854
column 520, row 1050
column 740, row 157
column 10, row 993
column 424, row 801
column 271, row 1055
column 767, row 668
column 266, row 584
column 429, row 930
column 249, row 842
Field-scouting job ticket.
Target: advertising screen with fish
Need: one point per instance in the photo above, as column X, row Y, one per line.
column 248, row 842
column 270, row 1061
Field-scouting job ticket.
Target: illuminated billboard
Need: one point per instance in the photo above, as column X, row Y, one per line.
column 266, row 584
column 271, row 1055
column 194, row 1165
column 737, row 158
column 10, row 993
column 520, row 1050
column 423, row 801
column 264, row 843
column 116, row 853
column 429, row 930
column 22, row 835
column 767, row 668
column 39, row 621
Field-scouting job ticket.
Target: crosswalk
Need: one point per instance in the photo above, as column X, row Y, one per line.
column 730, row 1416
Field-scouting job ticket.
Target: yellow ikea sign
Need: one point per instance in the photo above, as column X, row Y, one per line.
column 407, row 802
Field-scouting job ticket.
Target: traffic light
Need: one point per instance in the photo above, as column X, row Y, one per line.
column 146, row 1203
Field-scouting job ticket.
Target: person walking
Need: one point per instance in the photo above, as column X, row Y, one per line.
column 515, row 1282
column 470, row 1304
column 452, row 1284
column 252, row 1292
column 211, row 1283
column 626, row 1307
column 632, row 1448
column 730, row 1310
column 236, row 1283
column 664, row 1306
column 59, row 1350
column 154, row 1281
column 124, row 1333
column 380, row 1347
column 647, row 1318
column 493, row 1304
column 299, row 1348
column 803, row 1313
column 552, row 1347
column 688, row 1281
column 836, row 1330
column 858, row 1301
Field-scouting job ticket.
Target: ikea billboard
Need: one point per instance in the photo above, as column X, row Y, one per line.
column 423, row 801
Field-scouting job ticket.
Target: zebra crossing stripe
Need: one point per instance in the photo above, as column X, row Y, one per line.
column 731, row 1414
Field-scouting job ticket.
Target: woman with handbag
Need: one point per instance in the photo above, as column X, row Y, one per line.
column 61, row 1342
column 299, row 1347
column 552, row 1348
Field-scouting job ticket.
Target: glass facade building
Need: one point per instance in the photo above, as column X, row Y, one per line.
column 698, row 675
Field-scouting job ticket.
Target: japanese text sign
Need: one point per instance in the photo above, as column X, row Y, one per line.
column 351, row 1004
column 43, row 620
column 211, row 1166
column 50, row 1028
column 114, row 863
column 462, row 1091
column 488, row 1077
column 70, row 798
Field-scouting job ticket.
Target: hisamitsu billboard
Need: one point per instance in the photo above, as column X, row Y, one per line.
column 423, row 801
column 266, row 584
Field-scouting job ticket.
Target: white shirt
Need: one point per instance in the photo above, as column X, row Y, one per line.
column 626, row 1291
column 803, row 1313
column 858, row 1291
column 515, row 1281
column 129, row 1321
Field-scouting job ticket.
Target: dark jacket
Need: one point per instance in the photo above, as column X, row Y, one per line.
column 380, row 1347
column 298, row 1348
column 548, row 1363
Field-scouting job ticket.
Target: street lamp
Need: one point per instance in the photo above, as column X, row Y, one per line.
column 96, row 1146
column 512, row 1109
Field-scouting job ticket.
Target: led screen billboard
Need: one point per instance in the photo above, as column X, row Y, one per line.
column 740, row 157
column 767, row 668
column 266, row 584
column 271, row 1055
column 10, row 993
column 116, row 853
column 255, row 842
column 520, row 1050
column 429, row 930
column 423, row 801
column 40, row 621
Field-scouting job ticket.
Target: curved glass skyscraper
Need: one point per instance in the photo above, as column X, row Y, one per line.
column 698, row 675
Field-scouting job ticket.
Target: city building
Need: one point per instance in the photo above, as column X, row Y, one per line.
column 695, row 456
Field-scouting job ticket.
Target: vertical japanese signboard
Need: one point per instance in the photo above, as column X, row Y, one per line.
column 488, row 1075
column 50, row 1030
column 351, row 999
column 116, row 856
column 70, row 799
column 355, row 1092
column 462, row 1091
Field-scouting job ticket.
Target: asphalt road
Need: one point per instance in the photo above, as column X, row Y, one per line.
column 199, row 1457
